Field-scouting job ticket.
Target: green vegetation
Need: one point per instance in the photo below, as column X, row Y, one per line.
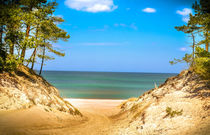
column 28, row 26
column 172, row 113
column 198, row 28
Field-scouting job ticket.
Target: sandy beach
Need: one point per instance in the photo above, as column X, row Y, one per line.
column 106, row 107
column 35, row 121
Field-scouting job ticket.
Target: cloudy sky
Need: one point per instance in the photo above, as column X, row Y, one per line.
column 122, row 35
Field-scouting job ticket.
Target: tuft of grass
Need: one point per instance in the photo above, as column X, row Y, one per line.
column 77, row 112
column 122, row 105
column 141, row 110
column 172, row 113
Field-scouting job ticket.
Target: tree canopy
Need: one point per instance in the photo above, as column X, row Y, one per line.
column 198, row 27
column 28, row 25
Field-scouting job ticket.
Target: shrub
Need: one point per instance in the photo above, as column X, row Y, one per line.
column 9, row 64
column 202, row 67
column 172, row 113
column 202, row 63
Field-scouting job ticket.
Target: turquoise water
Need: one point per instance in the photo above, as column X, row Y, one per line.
column 105, row 85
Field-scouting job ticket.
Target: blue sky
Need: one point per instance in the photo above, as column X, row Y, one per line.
column 122, row 35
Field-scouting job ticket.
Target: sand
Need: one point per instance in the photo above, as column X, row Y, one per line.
column 35, row 121
column 106, row 107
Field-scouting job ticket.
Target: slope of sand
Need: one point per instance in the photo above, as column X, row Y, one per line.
column 24, row 88
column 35, row 121
column 180, row 106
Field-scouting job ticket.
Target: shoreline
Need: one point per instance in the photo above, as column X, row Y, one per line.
column 102, row 102
column 93, row 99
column 106, row 107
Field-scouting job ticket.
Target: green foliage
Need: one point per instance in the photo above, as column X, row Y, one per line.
column 9, row 64
column 202, row 63
column 198, row 25
column 171, row 113
column 1, row 64
column 186, row 59
column 28, row 24
column 45, row 57
column 200, row 52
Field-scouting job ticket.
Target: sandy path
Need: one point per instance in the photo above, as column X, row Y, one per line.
column 97, row 112
column 38, row 122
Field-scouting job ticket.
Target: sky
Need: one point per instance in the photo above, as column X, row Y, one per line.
column 122, row 35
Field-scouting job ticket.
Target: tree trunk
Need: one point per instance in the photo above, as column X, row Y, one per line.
column 24, row 47
column 23, row 53
column 1, row 36
column 34, row 52
column 11, row 31
column 42, row 61
column 193, row 47
column 34, row 56
column 207, row 43
column 11, row 49
column 30, row 58
column 33, row 60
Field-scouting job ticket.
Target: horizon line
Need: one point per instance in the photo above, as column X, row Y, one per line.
column 108, row 71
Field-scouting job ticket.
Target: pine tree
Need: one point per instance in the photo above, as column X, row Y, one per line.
column 202, row 19
column 198, row 25
column 8, row 15
column 51, row 34
column 28, row 7
column 190, row 29
column 28, row 24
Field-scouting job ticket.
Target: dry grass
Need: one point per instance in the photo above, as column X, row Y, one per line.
column 140, row 110
column 122, row 105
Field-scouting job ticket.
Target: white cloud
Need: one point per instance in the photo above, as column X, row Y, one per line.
column 149, row 10
column 61, row 16
column 123, row 25
column 56, row 46
column 132, row 25
column 100, row 44
column 185, row 19
column 93, row 6
column 183, row 49
column 184, row 12
column 116, row 24
column 120, row 24
column 105, row 27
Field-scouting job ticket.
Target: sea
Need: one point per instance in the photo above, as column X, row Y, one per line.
column 103, row 85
